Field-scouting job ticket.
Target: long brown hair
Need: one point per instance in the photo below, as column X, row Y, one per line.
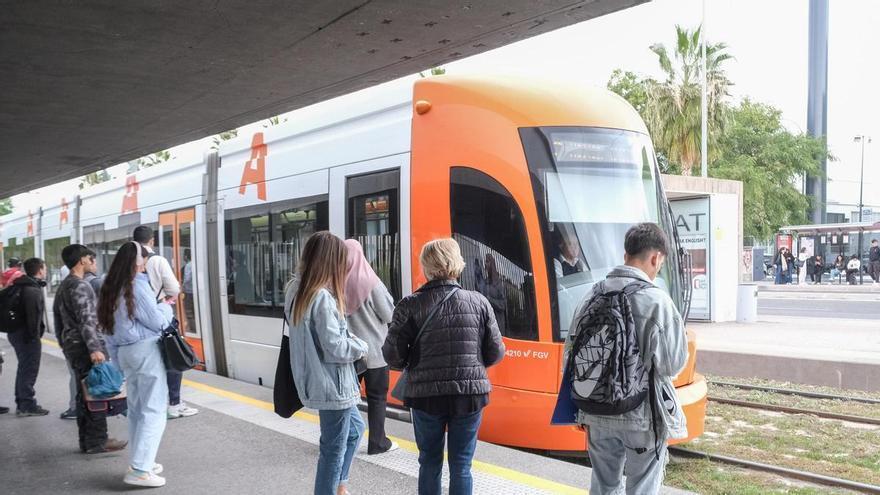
column 322, row 266
column 119, row 280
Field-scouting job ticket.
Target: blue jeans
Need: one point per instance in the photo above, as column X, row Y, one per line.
column 615, row 453
column 430, row 431
column 341, row 432
column 147, row 390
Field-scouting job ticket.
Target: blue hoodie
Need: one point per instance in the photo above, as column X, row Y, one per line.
column 147, row 322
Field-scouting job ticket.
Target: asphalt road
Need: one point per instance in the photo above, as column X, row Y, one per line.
column 820, row 308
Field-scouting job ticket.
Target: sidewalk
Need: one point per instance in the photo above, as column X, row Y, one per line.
column 819, row 351
column 867, row 288
column 236, row 445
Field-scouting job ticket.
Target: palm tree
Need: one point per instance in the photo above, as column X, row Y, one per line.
column 673, row 110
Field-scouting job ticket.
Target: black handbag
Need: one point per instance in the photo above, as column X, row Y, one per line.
column 176, row 351
column 400, row 387
column 284, row 393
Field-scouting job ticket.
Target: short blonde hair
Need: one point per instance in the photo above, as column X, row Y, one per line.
column 441, row 259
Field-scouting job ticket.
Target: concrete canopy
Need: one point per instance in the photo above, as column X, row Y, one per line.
column 93, row 83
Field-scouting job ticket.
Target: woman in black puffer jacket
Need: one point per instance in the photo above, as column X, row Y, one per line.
column 448, row 386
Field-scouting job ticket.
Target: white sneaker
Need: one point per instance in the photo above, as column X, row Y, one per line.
column 181, row 411
column 150, row 480
column 157, row 468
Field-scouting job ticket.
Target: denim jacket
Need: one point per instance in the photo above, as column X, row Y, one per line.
column 148, row 320
column 664, row 350
column 322, row 356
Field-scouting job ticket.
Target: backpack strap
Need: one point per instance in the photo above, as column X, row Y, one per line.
column 637, row 286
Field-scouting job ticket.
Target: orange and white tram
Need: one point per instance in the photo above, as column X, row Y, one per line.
column 538, row 181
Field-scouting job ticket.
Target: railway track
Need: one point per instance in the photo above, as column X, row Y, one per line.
column 816, row 479
column 795, row 410
column 799, row 393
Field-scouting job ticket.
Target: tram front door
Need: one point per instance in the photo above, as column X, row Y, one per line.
column 177, row 244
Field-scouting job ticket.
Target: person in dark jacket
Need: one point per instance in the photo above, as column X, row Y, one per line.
column 26, row 340
column 76, row 323
column 874, row 261
column 447, row 383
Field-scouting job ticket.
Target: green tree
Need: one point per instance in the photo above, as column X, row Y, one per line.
column 672, row 108
column 5, row 206
column 272, row 121
column 94, row 178
column 632, row 87
column 758, row 150
column 434, row 71
column 223, row 136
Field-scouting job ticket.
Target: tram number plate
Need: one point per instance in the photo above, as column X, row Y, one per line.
column 528, row 354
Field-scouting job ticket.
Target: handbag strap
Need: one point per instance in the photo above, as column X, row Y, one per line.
column 432, row 313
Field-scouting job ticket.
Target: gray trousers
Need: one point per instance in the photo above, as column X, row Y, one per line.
column 72, row 385
column 615, row 453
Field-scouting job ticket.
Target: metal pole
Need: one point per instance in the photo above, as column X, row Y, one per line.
column 704, row 119
column 861, row 207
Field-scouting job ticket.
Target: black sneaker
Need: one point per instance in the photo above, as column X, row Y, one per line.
column 36, row 411
column 111, row 445
column 4, row 410
column 68, row 414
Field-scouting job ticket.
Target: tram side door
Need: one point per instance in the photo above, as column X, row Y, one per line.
column 177, row 244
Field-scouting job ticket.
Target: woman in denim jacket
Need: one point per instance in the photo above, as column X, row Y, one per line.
column 322, row 357
column 132, row 321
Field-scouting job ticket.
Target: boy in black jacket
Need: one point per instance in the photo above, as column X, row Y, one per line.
column 26, row 340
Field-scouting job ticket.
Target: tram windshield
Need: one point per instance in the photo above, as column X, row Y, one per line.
column 591, row 185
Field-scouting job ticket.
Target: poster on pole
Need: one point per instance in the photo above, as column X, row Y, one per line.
column 692, row 223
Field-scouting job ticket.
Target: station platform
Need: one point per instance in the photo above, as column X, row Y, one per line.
column 236, row 444
column 834, row 352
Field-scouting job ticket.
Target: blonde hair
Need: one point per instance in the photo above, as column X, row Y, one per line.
column 322, row 265
column 441, row 259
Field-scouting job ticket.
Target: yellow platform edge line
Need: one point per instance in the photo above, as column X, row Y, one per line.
column 410, row 446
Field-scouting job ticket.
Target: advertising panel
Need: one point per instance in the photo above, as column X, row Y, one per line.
column 692, row 223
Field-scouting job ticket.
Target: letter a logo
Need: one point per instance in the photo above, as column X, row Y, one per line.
column 62, row 219
column 130, row 200
column 255, row 168
column 30, row 224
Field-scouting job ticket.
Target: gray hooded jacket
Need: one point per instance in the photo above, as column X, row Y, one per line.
column 663, row 346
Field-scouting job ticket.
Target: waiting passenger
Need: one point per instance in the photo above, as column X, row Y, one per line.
column 76, row 324
column 446, row 357
column 13, row 272
column 853, row 267
column 635, row 442
column 26, row 339
column 839, row 267
column 322, row 357
column 133, row 321
column 165, row 286
column 368, row 310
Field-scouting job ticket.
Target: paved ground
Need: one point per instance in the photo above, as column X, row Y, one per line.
column 805, row 306
column 236, row 445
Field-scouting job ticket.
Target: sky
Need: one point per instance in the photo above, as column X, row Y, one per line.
column 769, row 42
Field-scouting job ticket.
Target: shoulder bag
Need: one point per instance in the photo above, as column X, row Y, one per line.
column 176, row 351
column 400, row 386
column 284, row 394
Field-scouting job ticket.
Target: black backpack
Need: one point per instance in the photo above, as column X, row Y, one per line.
column 11, row 314
column 607, row 374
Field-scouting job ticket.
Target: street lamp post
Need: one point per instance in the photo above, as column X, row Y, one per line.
column 861, row 139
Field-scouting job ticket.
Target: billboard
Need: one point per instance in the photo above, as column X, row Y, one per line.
column 692, row 223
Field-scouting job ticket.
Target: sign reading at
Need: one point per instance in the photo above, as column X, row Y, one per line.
column 692, row 223
column 255, row 169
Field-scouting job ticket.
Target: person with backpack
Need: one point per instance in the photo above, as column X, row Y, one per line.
column 165, row 287
column 322, row 357
column 368, row 311
column 626, row 343
column 76, row 325
column 26, row 295
column 133, row 321
column 13, row 272
column 445, row 338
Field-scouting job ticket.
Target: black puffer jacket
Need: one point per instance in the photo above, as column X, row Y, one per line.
column 453, row 353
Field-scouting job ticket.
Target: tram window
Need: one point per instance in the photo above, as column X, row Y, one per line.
column 489, row 226
column 52, row 254
column 373, row 218
column 263, row 246
column 106, row 242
